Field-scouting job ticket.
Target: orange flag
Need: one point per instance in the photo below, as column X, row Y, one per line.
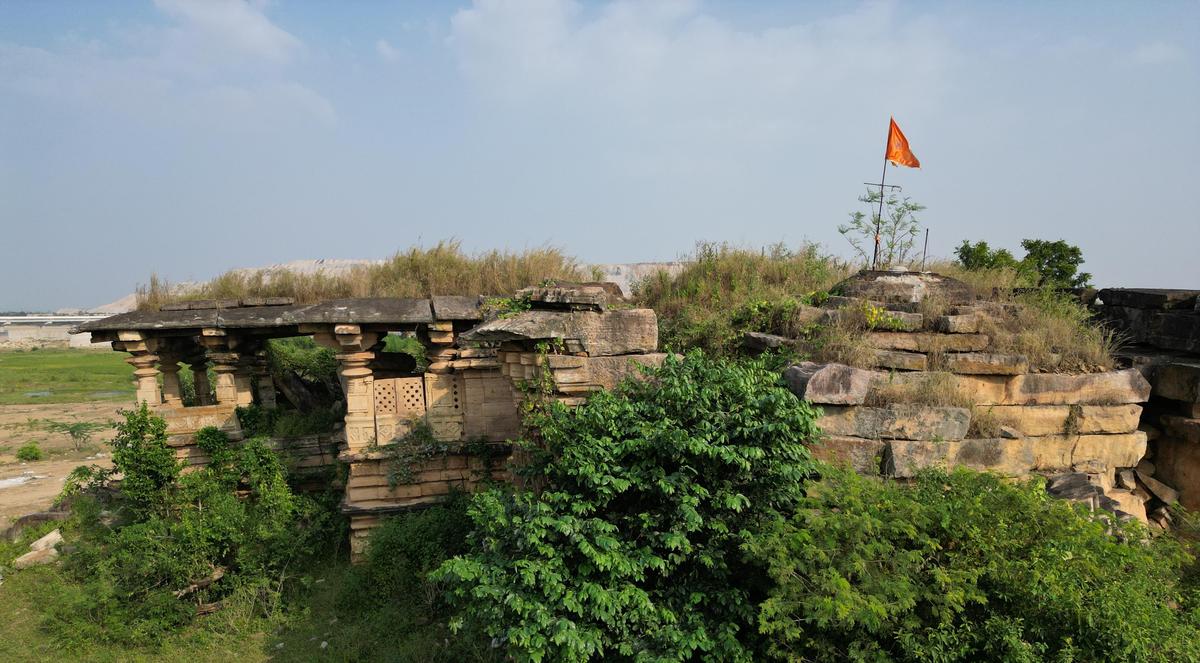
column 897, row 148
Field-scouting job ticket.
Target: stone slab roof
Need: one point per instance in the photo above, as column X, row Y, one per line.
column 364, row 311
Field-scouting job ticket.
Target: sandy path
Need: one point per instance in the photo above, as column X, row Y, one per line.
column 29, row 487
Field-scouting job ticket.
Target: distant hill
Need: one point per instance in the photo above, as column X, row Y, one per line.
column 624, row 275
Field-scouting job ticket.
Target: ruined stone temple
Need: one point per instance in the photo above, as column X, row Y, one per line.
column 1125, row 440
column 572, row 341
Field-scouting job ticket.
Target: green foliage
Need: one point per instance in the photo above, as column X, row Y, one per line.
column 257, row 421
column 1046, row 264
column 506, row 307
column 305, row 359
column 978, row 256
column 147, row 553
column 968, row 567
column 1056, row 263
column 30, row 452
column 63, row 376
column 148, row 464
column 633, row 545
column 898, row 229
column 408, row 345
column 80, row 432
column 697, row 305
column 411, row 451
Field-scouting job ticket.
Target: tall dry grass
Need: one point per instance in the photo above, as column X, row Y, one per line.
column 695, row 305
column 443, row 269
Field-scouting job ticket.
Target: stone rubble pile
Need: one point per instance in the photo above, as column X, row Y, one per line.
column 992, row 414
column 1163, row 327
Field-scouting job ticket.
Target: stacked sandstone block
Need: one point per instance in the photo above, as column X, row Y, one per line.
column 1163, row 331
column 574, row 339
column 1003, row 418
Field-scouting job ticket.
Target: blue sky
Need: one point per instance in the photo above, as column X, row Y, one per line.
column 187, row 137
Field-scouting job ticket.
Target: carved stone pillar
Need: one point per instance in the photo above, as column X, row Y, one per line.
column 359, row 381
column 233, row 373
column 355, row 350
column 172, row 390
column 145, row 377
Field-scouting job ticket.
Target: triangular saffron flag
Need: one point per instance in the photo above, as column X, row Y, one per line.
column 897, row 148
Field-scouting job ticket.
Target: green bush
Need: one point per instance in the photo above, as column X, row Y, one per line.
column 149, row 548
column 30, row 453
column 968, row 567
column 390, row 601
column 257, row 421
column 633, row 545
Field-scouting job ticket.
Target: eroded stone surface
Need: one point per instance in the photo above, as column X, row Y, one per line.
column 927, row 342
column 897, row 421
column 1178, row 465
column 901, row 361
column 985, row 363
column 1036, row 420
column 1184, row 429
column 1017, row 457
column 1178, row 381
column 1113, row 387
column 829, row 384
column 859, row 454
column 36, row 558
column 617, row 332
column 889, row 286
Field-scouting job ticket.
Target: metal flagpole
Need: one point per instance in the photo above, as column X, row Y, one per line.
column 925, row 250
column 879, row 219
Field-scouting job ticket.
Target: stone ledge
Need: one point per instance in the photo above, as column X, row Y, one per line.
column 897, row 421
column 1017, row 457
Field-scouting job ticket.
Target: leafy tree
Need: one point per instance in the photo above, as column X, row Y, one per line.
column 1047, row 264
column 898, row 230
column 80, row 432
column 965, row 566
column 1056, row 263
column 979, row 256
column 633, row 546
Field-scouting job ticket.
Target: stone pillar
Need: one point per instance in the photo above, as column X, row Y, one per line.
column 172, row 390
column 263, row 380
column 355, row 350
column 199, row 368
column 225, row 365
column 145, row 377
column 359, row 381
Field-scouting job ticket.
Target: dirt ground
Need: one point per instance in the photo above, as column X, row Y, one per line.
column 26, row 487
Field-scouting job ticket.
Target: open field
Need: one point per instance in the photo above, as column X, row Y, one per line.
column 63, row 376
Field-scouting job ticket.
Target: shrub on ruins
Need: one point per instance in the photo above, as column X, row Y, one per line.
column 391, row 609
column 963, row 566
column 896, row 230
column 697, row 305
column 1046, row 264
column 151, row 547
column 630, row 541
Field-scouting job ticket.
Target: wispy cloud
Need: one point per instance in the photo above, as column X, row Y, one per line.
column 233, row 25
column 1156, row 53
column 386, row 51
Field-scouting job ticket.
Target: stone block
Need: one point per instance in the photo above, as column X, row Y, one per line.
column 1129, row 503
column 985, row 363
column 1159, row 489
column 859, row 454
column 615, row 332
column 608, row 372
column 1149, row 298
column 49, row 541
column 1178, row 465
column 1178, row 381
column 829, row 384
column 1109, row 451
column 901, row 361
column 1017, row 457
column 897, row 421
column 1184, row 429
column 903, row 286
column 1037, row 420
column 928, row 342
column 904, row 458
column 1113, row 387
column 760, row 342
column 957, row 324
column 35, row 558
